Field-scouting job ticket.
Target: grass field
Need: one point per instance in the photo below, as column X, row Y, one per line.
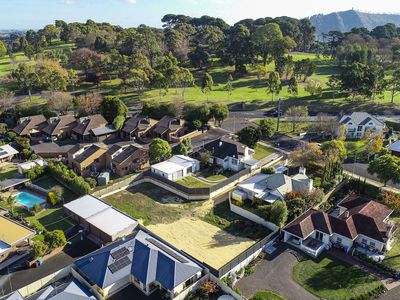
column 267, row 295
column 192, row 182
column 392, row 258
column 329, row 278
column 262, row 151
column 286, row 127
column 48, row 182
column 8, row 171
column 356, row 149
column 211, row 235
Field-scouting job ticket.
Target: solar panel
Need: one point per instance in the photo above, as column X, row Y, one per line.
column 119, row 264
column 167, row 250
column 120, row 253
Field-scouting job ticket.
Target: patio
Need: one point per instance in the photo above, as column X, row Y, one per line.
column 310, row 245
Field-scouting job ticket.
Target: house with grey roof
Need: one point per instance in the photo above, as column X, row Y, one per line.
column 142, row 260
column 272, row 187
column 357, row 123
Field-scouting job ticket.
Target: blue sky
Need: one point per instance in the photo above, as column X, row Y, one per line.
column 24, row 14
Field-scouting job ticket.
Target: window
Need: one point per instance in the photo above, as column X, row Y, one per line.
column 234, row 161
column 319, row 236
column 372, row 244
column 339, row 240
column 364, row 241
column 359, row 128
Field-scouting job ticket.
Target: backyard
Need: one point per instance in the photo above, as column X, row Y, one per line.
column 262, row 151
column 392, row 258
column 8, row 171
column 213, row 235
column 329, row 278
column 48, row 182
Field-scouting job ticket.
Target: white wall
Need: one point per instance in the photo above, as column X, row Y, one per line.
column 378, row 245
column 345, row 241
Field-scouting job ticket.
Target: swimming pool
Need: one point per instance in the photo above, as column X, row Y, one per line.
column 28, row 200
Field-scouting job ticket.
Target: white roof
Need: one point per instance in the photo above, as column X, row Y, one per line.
column 119, row 221
column 4, row 247
column 395, row 146
column 86, row 206
column 33, row 163
column 6, row 151
column 168, row 167
column 255, row 183
column 183, row 160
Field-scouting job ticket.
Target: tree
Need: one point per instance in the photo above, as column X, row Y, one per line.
column 249, row 136
column 39, row 249
column 293, row 87
column 183, row 148
column 205, row 157
column 55, row 239
column 159, row 150
column 219, row 112
column 373, row 142
column 89, row 104
column 393, row 85
column 274, row 85
column 50, row 32
column 279, row 213
column 266, row 39
column 3, row 49
column 334, row 151
column 111, row 107
column 386, row 167
column 392, row 200
column 118, row 122
column 229, row 86
column 295, row 207
column 314, row 87
column 88, row 61
column 295, row 114
column 11, row 201
column 207, row 84
column 267, row 127
column 51, row 76
column 305, row 155
column 60, row 102
column 7, row 101
column 26, row 77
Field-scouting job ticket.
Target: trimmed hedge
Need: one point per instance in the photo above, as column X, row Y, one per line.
column 376, row 264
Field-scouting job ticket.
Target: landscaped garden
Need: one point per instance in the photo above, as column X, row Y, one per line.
column 329, row 278
column 392, row 258
column 48, row 182
column 8, row 171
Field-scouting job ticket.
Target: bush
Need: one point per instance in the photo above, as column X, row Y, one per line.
column 55, row 239
column 248, row 270
column 92, row 182
column 37, row 208
column 52, row 198
column 279, row 213
column 376, row 264
column 34, row 172
column 268, row 170
column 39, row 249
column 68, row 176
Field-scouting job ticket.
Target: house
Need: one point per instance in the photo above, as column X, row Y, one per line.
column 394, row 148
column 176, row 167
column 169, row 128
column 141, row 260
column 355, row 223
column 25, row 166
column 85, row 125
column 137, row 127
column 357, row 123
column 12, row 236
column 85, row 159
column 31, row 126
column 103, row 133
column 60, row 127
column 229, row 154
column 272, row 187
column 100, row 219
column 7, row 153
column 123, row 160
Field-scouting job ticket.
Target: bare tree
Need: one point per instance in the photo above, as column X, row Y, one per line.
column 60, row 102
column 89, row 104
column 7, row 101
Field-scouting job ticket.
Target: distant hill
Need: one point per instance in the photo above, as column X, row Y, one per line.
column 346, row 20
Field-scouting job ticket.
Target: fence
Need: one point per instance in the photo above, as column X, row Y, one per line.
column 120, row 185
column 245, row 257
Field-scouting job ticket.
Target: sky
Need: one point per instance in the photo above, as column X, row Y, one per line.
column 26, row 14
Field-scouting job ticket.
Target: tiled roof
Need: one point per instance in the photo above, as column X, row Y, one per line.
column 137, row 122
column 55, row 125
column 224, row 147
column 26, row 124
column 87, row 153
column 86, row 124
column 167, row 123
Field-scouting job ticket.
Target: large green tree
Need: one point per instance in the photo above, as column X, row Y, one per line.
column 274, row 85
column 159, row 150
column 111, row 107
column 387, row 168
column 3, row 49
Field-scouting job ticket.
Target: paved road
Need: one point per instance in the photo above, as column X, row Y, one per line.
column 275, row 273
column 240, row 119
column 393, row 294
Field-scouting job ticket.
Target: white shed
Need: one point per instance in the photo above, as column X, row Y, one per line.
column 176, row 167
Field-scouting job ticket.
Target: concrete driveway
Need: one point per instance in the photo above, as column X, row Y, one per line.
column 275, row 273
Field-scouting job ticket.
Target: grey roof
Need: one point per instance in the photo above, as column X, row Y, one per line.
column 127, row 152
column 13, row 296
column 224, row 147
column 359, row 118
column 12, row 182
column 72, row 290
column 86, row 124
column 87, row 153
column 104, row 130
column 395, row 146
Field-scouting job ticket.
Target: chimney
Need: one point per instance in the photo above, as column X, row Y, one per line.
column 346, row 214
column 302, row 170
column 220, row 143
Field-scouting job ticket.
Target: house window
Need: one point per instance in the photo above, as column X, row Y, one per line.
column 372, row 244
column 319, row 236
column 359, row 128
column 339, row 240
column 364, row 241
column 234, row 161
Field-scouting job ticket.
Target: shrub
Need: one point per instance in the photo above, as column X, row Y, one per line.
column 91, row 181
column 34, row 172
column 52, row 198
column 268, row 170
column 264, row 211
column 37, row 208
column 39, row 249
column 279, row 213
column 248, row 270
column 208, row 287
column 55, row 239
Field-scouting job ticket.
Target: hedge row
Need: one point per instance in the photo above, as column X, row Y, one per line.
column 376, row 264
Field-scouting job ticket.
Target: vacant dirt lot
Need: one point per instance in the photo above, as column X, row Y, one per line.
column 206, row 242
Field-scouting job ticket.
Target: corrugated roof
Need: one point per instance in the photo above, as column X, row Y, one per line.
column 12, row 232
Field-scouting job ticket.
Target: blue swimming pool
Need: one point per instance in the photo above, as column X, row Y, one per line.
column 28, row 200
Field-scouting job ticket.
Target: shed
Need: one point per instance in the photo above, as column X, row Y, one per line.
column 103, row 178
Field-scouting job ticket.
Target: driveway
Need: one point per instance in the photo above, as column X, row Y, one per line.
column 237, row 120
column 275, row 273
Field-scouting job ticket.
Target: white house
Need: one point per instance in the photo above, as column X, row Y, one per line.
column 357, row 123
column 7, row 153
column 176, row 167
column 23, row 167
column 272, row 187
column 356, row 222
column 141, row 260
column 230, row 154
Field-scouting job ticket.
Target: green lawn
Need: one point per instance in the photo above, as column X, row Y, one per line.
column 150, row 204
column 329, row 278
column 51, row 219
column 222, row 217
column 392, row 258
column 8, row 173
column 262, row 151
column 286, row 127
column 267, row 295
column 356, row 149
column 192, row 182
column 48, row 182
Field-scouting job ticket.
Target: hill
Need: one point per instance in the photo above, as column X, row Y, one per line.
column 346, row 20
